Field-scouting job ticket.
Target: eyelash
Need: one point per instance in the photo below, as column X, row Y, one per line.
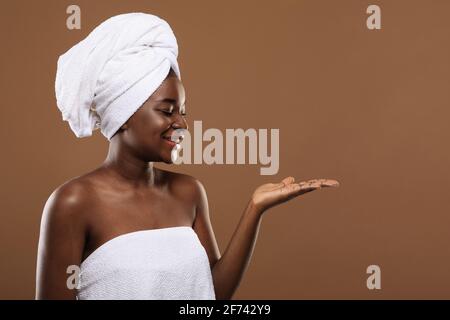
column 170, row 113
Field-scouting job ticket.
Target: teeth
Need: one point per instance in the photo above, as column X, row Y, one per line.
column 176, row 141
column 180, row 138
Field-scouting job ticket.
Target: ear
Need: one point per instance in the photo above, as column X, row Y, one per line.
column 124, row 126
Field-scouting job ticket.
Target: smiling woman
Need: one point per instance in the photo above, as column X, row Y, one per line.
column 113, row 222
column 149, row 129
column 136, row 231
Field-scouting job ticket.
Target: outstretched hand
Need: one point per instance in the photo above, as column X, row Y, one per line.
column 272, row 194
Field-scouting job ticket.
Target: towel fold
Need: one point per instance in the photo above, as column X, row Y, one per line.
column 103, row 79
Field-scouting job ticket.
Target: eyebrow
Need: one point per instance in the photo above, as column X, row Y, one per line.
column 170, row 100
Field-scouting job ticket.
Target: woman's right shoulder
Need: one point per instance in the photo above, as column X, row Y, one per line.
column 69, row 200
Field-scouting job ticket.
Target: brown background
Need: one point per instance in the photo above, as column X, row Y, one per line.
column 368, row 108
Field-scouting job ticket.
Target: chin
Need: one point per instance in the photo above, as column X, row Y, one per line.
column 169, row 155
column 166, row 157
column 167, row 161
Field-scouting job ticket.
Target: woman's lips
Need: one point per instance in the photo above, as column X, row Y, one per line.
column 170, row 142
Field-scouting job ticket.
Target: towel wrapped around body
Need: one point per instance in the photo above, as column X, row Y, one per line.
column 157, row 264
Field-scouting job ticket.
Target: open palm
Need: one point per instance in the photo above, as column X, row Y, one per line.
column 272, row 194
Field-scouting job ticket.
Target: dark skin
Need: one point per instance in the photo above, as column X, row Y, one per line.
column 127, row 193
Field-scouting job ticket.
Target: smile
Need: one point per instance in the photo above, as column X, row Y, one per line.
column 171, row 142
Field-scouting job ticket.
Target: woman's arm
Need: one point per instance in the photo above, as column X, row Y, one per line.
column 61, row 243
column 228, row 270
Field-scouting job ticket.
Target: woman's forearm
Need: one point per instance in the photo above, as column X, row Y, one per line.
column 228, row 271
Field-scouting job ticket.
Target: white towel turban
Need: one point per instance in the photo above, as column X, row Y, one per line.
column 104, row 79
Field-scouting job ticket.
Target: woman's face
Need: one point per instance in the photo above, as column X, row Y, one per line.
column 147, row 132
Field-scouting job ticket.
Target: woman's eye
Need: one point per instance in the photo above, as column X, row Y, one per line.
column 168, row 113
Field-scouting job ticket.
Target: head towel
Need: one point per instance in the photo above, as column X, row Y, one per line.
column 104, row 79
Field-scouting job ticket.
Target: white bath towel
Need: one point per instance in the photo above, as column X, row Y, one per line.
column 163, row 264
column 103, row 79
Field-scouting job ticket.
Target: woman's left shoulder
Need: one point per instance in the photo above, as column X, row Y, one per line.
column 184, row 184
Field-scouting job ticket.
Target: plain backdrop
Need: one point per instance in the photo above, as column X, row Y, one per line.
column 369, row 108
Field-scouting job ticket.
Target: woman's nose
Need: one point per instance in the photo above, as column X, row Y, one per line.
column 180, row 123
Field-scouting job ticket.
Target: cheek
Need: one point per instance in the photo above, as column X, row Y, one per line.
column 152, row 124
column 147, row 131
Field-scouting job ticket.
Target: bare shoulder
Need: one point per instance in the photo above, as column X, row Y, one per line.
column 184, row 185
column 67, row 202
column 61, row 239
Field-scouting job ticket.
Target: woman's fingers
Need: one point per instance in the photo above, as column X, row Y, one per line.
column 318, row 183
column 288, row 180
column 328, row 183
column 285, row 182
column 303, row 187
column 296, row 189
column 288, row 186
column 270, row 194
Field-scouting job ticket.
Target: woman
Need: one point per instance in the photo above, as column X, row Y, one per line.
column 134, row 231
